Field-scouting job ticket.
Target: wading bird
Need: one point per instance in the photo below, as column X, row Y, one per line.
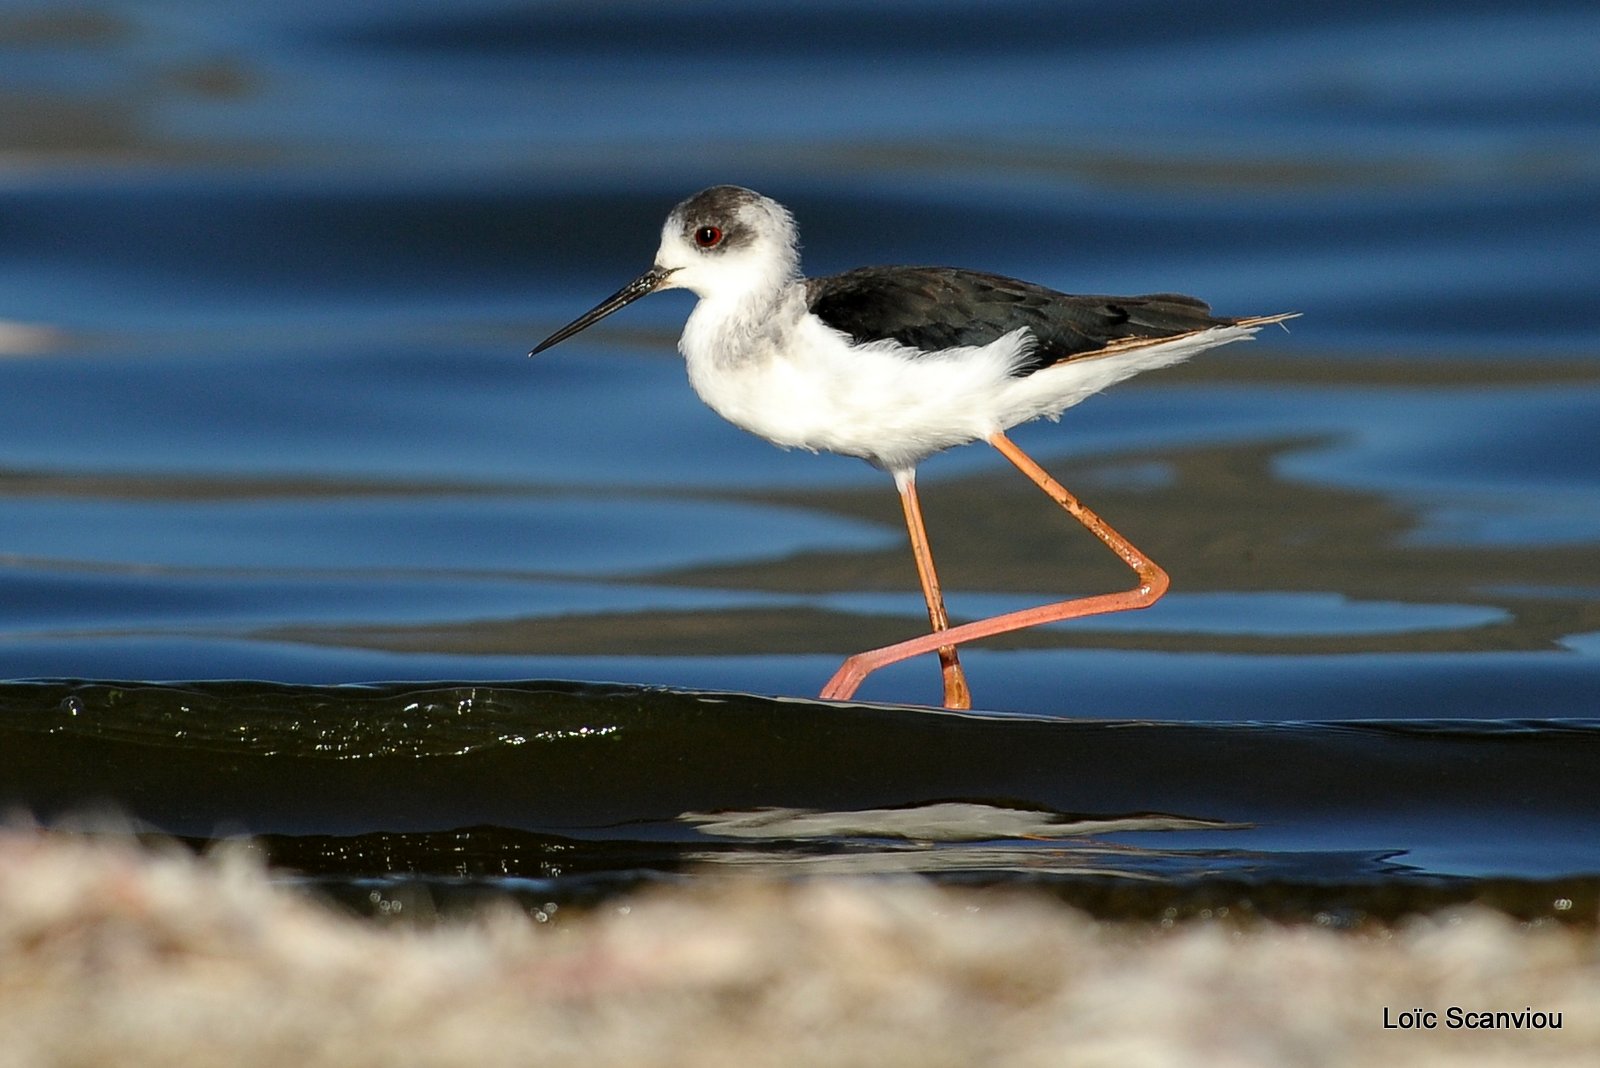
column 894, row 364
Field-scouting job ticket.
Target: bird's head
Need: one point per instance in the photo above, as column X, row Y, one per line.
column 725, row 242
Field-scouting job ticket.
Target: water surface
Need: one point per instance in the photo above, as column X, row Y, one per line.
column 267, row 276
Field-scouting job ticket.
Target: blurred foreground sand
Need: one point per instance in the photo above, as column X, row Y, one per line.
column 113, row 954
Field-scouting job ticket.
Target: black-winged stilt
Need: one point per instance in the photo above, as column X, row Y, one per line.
column 893, row 364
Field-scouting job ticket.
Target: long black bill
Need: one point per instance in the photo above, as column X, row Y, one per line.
column 642, row 286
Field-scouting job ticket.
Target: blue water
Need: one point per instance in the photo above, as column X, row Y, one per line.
column 271, row 270
column 268, row 274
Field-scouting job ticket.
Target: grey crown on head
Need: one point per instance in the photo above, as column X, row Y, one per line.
column 721, row 206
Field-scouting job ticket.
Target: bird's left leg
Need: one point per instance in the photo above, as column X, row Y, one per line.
column 1153, row 582
column 956, row 692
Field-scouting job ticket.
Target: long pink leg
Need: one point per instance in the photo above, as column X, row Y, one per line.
column 1153, row 582
column 956, row 693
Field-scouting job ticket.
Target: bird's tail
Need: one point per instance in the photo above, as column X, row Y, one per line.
column 1264, row 320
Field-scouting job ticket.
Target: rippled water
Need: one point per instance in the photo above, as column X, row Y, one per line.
column 268, row 272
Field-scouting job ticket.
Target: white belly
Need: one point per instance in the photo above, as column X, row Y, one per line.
column 878, row 401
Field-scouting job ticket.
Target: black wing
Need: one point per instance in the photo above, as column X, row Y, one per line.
column 932, row 308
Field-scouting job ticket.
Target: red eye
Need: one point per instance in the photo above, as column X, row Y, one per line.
column 708, row 237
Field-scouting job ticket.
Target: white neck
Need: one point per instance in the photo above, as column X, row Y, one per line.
column 729, row 329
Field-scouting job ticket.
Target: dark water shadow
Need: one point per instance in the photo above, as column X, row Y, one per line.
column 564, row 791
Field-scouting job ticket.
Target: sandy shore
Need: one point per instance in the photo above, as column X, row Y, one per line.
column 113, row 954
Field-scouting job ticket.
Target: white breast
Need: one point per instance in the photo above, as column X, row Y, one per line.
column 809, row 387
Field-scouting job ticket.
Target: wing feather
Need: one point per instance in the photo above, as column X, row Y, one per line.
column 934, row 308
